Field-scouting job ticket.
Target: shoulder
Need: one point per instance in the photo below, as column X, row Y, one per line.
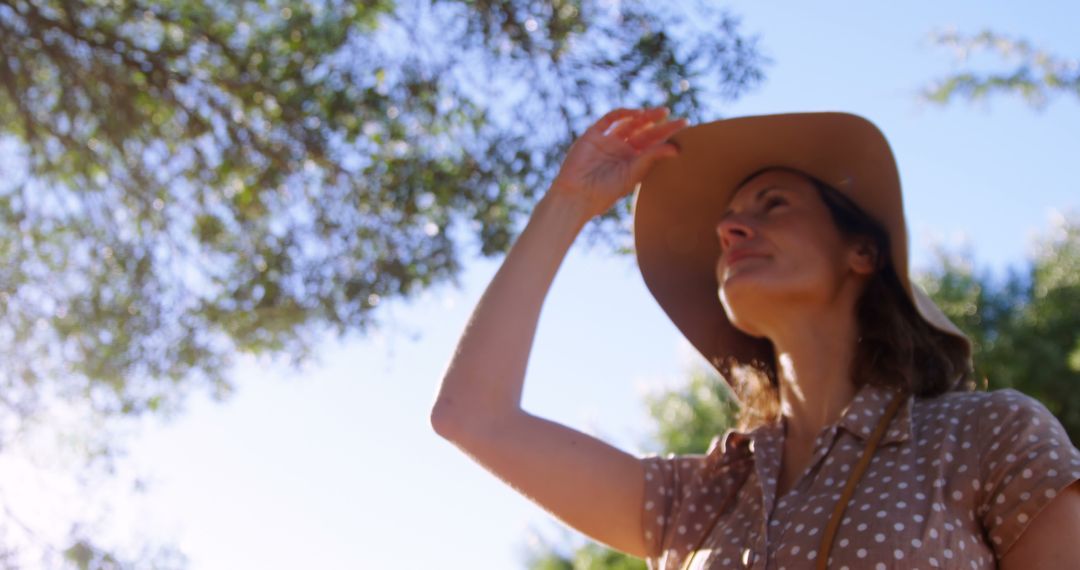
column 988, row 405
column 989, row 422
column 1010, row 411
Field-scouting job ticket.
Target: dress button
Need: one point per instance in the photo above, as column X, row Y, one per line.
column 751, row 446
column 746, row 557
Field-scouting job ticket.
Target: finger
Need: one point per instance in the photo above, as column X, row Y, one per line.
column 606, row 121
column 646, row 159
column 634, row 125
column 657, row 133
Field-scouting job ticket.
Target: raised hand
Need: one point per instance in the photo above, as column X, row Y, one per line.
column 603, row 166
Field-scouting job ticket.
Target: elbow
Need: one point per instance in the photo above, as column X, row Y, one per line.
column 442, row 421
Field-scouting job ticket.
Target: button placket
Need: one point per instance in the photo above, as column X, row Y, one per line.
column 824, row 443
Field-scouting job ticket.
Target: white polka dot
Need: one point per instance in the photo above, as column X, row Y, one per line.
column 861, row 553
column 879, row 537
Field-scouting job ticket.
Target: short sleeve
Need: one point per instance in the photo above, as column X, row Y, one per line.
column 667, row 480
column 1026, row 460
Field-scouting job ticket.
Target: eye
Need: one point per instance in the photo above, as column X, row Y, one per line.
column 773, row 201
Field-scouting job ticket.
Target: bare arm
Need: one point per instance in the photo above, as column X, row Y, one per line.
column 1050, row 540
column 590, row 485
column 484, row 379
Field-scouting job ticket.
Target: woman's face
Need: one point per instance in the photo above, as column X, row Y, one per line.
column 796, row 258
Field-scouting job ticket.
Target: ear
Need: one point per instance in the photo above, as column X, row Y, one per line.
column 863, row 257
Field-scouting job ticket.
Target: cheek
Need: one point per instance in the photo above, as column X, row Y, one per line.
column 802, row 269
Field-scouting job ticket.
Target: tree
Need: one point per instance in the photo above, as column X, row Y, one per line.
column 203, row 177
column 185, row 179
column 1025, row 325
column 1024, row 335
column 1035, row 76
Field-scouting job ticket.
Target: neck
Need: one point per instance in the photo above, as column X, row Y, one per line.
column 813, row 364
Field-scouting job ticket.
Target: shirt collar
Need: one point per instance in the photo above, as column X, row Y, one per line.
column 860, row 417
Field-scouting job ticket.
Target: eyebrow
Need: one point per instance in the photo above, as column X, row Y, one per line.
column 760, row 193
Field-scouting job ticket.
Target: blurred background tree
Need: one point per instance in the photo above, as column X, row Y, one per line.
column 1035, row 74
column 1027, row 327
column 186, row 179
column 189, row 179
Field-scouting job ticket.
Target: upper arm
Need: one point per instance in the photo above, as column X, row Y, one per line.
column 1050, row 541
column 586, row 483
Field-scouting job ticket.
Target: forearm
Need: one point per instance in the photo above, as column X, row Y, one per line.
column 486, row 374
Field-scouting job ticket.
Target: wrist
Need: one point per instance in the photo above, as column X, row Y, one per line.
column 566, row 205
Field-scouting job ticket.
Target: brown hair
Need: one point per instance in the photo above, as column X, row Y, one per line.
column 896, row 346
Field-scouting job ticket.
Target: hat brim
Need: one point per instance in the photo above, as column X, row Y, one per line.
column 677, row 205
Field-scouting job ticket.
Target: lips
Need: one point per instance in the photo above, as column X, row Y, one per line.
column 736, row 255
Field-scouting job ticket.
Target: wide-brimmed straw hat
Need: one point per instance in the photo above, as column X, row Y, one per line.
column 677, row 206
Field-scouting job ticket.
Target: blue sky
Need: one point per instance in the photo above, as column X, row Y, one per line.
column 337, row 467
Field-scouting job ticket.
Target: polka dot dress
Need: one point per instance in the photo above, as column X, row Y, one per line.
column 954, row 482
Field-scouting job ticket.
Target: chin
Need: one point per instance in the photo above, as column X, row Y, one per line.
column 740, row 315
column 746, row 328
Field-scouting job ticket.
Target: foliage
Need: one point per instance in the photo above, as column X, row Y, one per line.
column 689, row 417
column 188, row 179
column 191, row 178
column 590, row 556
column 1025, row 329
column 1035, row 75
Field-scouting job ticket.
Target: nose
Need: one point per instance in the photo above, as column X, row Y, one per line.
column 733, row 229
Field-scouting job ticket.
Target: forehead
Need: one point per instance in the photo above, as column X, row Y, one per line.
column 783, row 179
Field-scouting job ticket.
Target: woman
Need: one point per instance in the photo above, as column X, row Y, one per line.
column 777, row 245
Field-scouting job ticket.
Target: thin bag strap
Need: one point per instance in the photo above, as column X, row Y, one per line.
column 853, row 480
